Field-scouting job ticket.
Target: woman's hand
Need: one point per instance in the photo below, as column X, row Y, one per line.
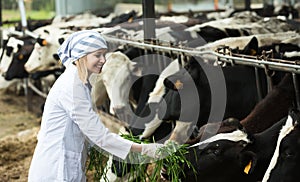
column 151, row 150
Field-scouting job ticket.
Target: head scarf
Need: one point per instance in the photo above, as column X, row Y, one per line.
column 80, row 44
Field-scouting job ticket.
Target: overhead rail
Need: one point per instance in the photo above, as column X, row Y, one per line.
column 263, row 61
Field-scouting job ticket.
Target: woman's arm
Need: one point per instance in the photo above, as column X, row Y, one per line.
column 135, row 147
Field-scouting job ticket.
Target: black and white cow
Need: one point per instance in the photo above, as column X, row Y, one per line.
column 6, row 58
column 279, row 100
column 232, row 157
column 286, row 157
column 241, row 24
column 33, row 24
column 199, row 81
column 10, row 47
column 255, row 45
column 19, row 58
column 42, row 57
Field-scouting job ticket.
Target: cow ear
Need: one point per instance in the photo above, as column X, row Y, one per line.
column 173, row 85
column 295, row 115
column 248, row 161
column 19, row 46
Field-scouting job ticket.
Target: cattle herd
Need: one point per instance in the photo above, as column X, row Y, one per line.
column 241, row 122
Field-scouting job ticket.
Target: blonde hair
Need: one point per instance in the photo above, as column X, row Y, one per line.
column 82, row 69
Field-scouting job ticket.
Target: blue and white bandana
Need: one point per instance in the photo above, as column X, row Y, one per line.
column 80, row 44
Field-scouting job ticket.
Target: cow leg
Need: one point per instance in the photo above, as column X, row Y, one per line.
column 109, row 175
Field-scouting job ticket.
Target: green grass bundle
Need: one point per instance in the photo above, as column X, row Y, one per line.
column 172, row 157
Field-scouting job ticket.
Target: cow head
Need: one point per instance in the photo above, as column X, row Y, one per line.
column 10, row 48
column 47, row 45
column 17, row 54
column 218, row 158
column 249, row 155
column 184, row 91
column 117, row 74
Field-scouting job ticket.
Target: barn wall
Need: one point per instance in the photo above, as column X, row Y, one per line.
column 71, row 7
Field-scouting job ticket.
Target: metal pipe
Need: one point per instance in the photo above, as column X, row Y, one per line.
column 148, row 19
column 36, row 90
column 297, row 91
column 258, row 84
column 248, row 5
column 1, row 33
column 23, row 14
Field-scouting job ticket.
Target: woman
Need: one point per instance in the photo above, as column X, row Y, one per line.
column 69, row 120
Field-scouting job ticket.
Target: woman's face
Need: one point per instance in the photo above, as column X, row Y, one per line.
column 96, row 60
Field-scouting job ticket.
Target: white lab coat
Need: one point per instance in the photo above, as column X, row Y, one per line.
column 68, row 122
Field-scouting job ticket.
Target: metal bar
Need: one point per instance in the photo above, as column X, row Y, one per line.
column 23, row 14
column 261, row 63
column 248, row 5
column 33, row 88
column 148, row 19
column 258, row 84
column 297, row 91
column 0, row 13
column 273, row 64
column 25, row 32
column 28, row 94
column 269, row 83
column 1, row 33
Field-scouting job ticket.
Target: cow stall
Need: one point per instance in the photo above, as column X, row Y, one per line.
column 227, row 56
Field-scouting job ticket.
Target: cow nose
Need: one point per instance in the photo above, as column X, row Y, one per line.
column 119, row 109
column 27, row 67
column 56, row 57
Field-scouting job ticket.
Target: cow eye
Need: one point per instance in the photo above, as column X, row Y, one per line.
column 287, row 154
column 242, row 143
column 213, row 150
column 217, row 151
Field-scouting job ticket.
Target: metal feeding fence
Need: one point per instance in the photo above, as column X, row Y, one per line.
column 220, row 56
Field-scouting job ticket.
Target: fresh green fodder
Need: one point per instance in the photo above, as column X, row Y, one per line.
column 171, row 156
